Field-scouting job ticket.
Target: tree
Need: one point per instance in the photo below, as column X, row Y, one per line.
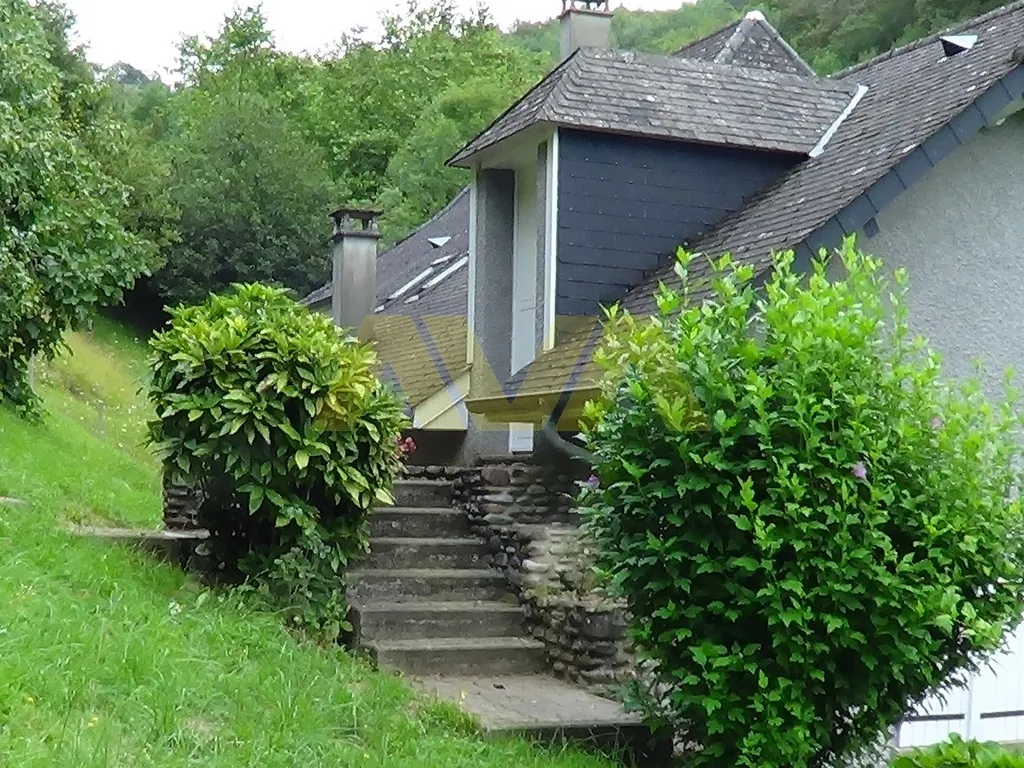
column 254, row 199
column 63, row 246
column 812, row 529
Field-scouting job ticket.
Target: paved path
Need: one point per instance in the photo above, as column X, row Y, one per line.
column 529, row 702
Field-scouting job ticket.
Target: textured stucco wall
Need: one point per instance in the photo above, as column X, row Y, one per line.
column 492, row 317
column 959, row 232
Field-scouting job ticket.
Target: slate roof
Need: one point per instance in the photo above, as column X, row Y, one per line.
column 750, row 42
column 411, row 335
column 916, row 97
column 676, row 98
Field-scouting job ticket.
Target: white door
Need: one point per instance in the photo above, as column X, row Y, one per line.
column 524, row 290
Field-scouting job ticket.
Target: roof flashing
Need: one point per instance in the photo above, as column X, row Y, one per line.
column 819, row 148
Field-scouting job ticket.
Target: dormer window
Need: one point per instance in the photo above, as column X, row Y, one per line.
column 954, row 44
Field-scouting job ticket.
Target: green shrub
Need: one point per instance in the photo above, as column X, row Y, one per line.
column 957, row 753
column 281, row 421
column 811, row 528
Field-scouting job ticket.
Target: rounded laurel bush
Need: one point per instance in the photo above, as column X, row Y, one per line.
column 812, row 529
column 281, row 421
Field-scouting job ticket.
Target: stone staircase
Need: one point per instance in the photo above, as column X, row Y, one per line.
column 426, row 603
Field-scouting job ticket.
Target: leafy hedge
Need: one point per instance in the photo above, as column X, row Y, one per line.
column 957, row 753
column 812, row 529
column 281, row 421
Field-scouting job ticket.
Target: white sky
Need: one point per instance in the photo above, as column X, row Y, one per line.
column 145, row 33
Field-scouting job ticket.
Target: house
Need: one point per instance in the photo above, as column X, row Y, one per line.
column 583, row 190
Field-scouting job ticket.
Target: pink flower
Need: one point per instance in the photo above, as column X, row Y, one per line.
column 937, row 423
column 406, row 446
column 859, row 470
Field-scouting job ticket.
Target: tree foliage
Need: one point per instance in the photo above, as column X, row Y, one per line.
column 282, row 423
column 64, row 245
column 253, row 197
column 812, row 529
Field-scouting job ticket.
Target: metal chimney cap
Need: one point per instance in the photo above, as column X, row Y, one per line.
column 589, row 6
column 356, row 221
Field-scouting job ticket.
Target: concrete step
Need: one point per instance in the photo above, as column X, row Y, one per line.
column 461, row 656
column 411, row 522
column 409, row 621
column 400, row 553
column 420, row 585
column 423, row 494
column 552, row 711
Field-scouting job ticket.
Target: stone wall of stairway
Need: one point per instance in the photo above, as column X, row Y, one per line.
column 526, row 512
column 181, row 505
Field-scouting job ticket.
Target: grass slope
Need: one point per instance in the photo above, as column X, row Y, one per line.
column 107, row 659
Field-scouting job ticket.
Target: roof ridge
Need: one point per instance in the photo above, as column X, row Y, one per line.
column 929, row 39
column 793, row 53
column 707, row 37
column 557, row 72
column 736, row 39
column 574, row 62
column 710, row 65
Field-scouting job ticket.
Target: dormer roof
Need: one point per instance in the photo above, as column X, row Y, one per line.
column 750, row 42
column 676, row 98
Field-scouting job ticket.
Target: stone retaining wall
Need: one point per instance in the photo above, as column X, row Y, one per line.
column 181, row 506
column 526, row 513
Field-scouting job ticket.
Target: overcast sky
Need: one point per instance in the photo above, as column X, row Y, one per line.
column 144, row 33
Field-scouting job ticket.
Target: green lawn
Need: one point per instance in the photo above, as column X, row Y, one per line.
column 107, row 659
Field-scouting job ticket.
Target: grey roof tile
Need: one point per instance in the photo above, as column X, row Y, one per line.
column 679, row 99
column 750, row 42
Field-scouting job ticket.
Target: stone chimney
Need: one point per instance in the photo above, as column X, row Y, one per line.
column 354, row 273
column 585, row 24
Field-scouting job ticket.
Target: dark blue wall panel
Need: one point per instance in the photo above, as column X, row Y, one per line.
column 626, row 204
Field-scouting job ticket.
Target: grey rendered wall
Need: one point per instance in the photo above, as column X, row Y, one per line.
column 495, row 195
column 959, row 232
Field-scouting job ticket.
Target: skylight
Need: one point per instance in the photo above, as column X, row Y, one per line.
column 954, row 44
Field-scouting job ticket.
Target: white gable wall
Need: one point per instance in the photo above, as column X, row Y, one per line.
column 959, row 232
